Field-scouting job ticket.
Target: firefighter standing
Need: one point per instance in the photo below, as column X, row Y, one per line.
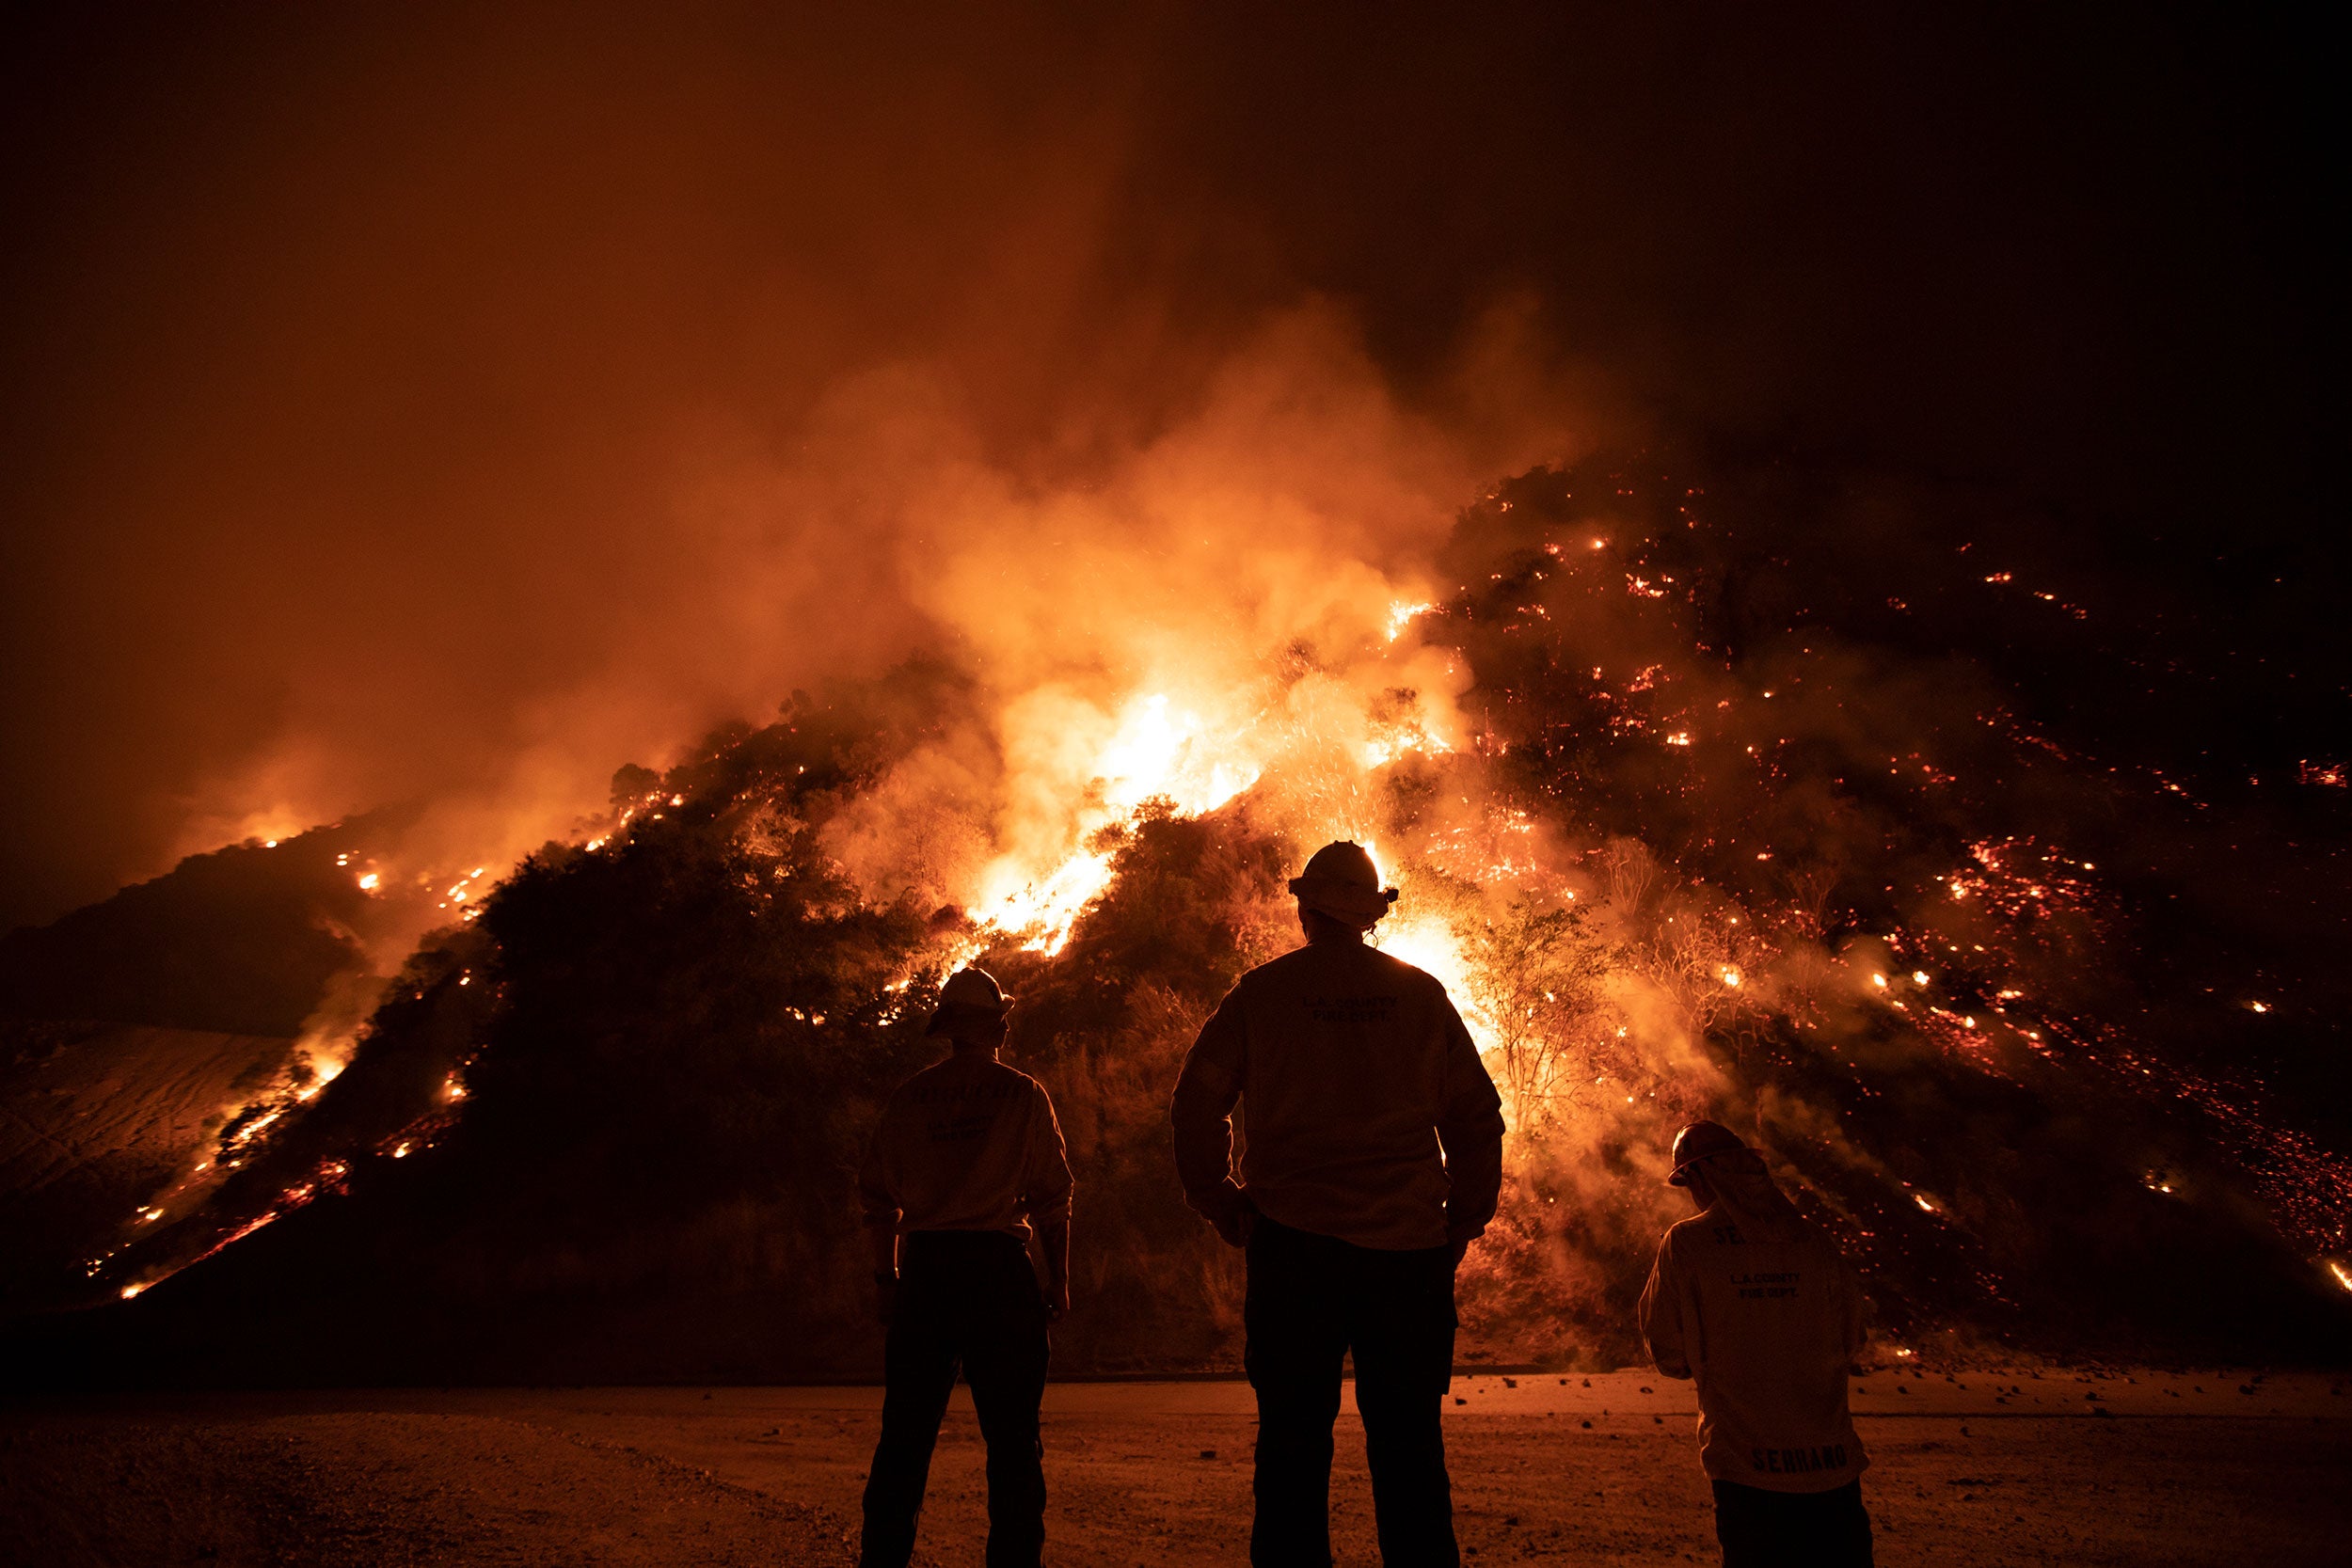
column 968, row 1155
column 1754, row 1302
column 1372, row 1159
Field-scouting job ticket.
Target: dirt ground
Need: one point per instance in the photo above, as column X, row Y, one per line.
column 2021, row 1468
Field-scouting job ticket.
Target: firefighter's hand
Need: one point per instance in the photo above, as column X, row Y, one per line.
column 1240, row 1221
column 1057, row 1301
column 885, row 1298
column 1460, row 1246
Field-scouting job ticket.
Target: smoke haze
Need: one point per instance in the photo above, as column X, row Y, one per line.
column 449, row 407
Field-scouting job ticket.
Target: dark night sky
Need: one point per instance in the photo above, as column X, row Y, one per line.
column 349, row 358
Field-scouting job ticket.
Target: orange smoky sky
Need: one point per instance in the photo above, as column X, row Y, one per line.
column 448, row 405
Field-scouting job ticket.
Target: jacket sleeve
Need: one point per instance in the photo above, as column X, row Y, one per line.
column 1660, row 1315
column 1470, row 1126
column 1045, row 1184
column 1201, row 1113
column 875, row 1190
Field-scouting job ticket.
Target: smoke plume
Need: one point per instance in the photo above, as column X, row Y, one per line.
column 444, row 408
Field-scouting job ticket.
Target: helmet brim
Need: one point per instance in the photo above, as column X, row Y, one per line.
column 950, row 1014
column 1680, row 1175
column 1348, row 901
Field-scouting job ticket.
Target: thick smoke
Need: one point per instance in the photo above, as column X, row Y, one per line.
column 444, row 408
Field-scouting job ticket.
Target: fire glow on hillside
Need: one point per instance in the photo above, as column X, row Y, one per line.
column 1667, row 866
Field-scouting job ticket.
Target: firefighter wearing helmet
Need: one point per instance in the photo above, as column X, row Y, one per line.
column 1373, row 1159
column 967, row 1157
column 1753, row 1301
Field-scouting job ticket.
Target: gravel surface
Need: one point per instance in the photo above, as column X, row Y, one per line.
column 1581, row 1471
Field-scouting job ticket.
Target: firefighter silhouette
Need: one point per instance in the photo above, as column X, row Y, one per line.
column 968, row 1156
column 1373, row 1158
column 1752, row 1300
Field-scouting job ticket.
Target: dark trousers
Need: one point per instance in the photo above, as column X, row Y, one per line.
column 1313, row 1299
column 967, row 1297
column 1791, row 1529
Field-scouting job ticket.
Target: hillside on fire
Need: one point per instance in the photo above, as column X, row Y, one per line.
column 143, row 1036
column 1696, row 810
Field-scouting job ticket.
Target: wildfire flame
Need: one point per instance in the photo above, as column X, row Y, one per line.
column 1597, row 975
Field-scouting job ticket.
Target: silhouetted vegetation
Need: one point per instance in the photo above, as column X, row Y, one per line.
column 243, row 941
column 674, row 1044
